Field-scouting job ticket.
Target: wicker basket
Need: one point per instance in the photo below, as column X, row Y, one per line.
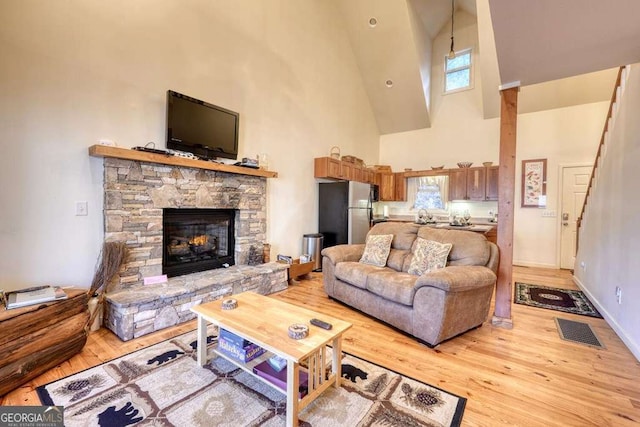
column 353, row 159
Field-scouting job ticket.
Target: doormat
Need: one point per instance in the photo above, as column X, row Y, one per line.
column 566, row 300
column 164, row 385
column 578, row 332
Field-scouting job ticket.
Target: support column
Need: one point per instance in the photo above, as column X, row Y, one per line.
column 506, row 195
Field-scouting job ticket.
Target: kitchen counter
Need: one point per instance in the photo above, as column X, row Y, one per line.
column 480, row 225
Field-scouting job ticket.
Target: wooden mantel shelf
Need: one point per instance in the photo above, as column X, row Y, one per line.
column 143, row 156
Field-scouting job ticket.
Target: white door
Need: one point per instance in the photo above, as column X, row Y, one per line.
column 575, row 181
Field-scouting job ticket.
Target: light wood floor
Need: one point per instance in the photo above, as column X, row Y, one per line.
column 526, row 376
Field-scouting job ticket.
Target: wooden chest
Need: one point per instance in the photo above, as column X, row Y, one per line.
column 36, row 338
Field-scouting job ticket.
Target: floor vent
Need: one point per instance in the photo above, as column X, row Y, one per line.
column 578, row 332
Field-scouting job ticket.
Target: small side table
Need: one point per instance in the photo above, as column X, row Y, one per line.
column 299, row 270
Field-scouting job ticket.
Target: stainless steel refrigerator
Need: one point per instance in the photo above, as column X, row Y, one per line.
column 344, row 212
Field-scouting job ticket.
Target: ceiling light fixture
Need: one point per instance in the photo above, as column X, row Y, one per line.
column 389, row 83
column 452, row 53
column 373, row 22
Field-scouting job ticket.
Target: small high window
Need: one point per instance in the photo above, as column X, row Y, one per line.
column 458, row 72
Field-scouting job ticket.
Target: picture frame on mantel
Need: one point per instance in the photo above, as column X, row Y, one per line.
column 534, row 183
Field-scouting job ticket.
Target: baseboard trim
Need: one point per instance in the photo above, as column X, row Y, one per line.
column 633, row 347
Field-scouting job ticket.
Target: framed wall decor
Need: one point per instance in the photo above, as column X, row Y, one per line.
column 534, row 183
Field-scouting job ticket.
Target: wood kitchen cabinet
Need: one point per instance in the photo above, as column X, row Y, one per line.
column 491, row 191
column 478, row 184
column 328, row 167
column 400, row 187
column 392, row 186
column 387, row 186
column 457, row 184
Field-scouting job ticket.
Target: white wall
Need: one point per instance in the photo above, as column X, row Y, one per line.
column 77, row 71
column 460, row 133
column 608, row 242
column 563, row 136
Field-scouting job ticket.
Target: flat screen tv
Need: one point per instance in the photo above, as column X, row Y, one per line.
column 204, row 129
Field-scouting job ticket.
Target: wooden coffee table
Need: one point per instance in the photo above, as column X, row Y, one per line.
column 265, row 321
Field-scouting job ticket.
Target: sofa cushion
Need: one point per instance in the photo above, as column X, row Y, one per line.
column 376, row 250
column 393, row 286
column 355, row 273
column 403, row 234
column 428, row 255
column 469, row 248
column 396, row 258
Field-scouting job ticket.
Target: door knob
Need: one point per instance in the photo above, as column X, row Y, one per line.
column 565, row 223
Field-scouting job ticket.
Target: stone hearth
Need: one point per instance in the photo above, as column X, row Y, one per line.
column 135, row 312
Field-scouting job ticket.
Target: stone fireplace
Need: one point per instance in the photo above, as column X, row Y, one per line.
column 140, row 200
column 138, row 193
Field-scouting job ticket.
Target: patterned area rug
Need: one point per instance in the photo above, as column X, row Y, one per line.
column 566, row 300
column 162, row 385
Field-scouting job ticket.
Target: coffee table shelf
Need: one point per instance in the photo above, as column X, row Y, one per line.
column 265, row 322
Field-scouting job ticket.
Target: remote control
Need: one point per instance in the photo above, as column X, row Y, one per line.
column 321, row 324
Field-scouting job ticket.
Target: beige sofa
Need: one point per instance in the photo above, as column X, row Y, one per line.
column 432, row 307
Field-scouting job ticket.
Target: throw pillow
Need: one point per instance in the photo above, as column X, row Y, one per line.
column 376, row 250
column 428, row 255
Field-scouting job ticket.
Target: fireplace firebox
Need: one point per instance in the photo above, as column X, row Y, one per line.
column 197, row 240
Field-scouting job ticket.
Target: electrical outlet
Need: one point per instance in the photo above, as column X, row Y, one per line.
column 583, row 265
column 82, row 208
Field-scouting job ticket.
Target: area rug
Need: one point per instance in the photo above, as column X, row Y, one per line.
column 565, row 300
column 162, row 385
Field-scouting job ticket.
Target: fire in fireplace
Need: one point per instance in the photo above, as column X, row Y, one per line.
column 197, row 240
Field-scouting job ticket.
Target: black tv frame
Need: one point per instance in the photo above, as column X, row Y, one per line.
column 200, row 150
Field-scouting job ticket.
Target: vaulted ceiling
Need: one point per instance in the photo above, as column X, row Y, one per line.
column 524, row 41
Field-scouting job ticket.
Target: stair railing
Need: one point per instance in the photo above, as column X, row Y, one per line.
column 612, row 105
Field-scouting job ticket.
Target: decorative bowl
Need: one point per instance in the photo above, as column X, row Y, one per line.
column 435, row 168
column 487, row 164
column 465, row 164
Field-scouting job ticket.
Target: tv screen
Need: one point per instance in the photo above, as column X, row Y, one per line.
column 204, row 129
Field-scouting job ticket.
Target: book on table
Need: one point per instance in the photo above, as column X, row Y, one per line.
column 241, row 353
column 32, row 296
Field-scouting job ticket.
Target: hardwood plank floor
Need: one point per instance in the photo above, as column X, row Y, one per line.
column 526, row 376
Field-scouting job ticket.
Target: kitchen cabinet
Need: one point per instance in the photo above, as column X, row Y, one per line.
column 491, row 191
column 400, row 187
column 392, row 186
column 477, row 184
column 386, row 186
column 328, row 167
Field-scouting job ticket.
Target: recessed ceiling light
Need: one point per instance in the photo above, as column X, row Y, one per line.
column 389, row 83
column 373, row 22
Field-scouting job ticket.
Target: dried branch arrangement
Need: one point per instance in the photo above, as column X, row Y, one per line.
column 111, row 258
